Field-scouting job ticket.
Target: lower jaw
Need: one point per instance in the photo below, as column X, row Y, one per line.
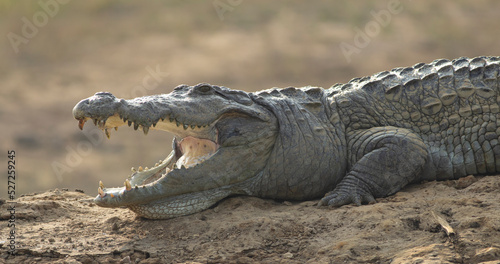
column 190, row 203
column 185, row 204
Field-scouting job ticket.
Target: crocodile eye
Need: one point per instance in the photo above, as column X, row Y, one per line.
column 204, row 88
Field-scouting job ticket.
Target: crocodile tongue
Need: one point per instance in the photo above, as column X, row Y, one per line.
column 195, row 151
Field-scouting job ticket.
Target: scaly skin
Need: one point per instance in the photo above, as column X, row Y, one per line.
column 355, row 142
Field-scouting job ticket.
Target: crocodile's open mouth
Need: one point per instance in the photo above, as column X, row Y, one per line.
column 190, row 149
column 187, row 152
column 222, row 140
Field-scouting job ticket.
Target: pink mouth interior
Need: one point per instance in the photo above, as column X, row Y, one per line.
column 195, row 151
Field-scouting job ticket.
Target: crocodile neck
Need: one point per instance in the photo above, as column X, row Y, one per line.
column 310, row 145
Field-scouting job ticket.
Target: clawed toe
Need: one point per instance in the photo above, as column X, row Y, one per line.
column 336, row 200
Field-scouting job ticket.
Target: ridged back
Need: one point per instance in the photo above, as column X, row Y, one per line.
column 452, row 105
column 443, row 88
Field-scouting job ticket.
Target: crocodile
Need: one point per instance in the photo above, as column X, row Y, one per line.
column 351, row 143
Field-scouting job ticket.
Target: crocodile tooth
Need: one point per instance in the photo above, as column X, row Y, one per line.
column 81, row 123
column 101, row 192
column 101, row 185
column 160, row 161
column 185, row 127
column 145, row 130
column 193, row 126
column 129, row 123
column 140, row 168
column 136, row 126
column 132, row 169
column 146, row 168
column 154, row 124
column 102, row 124
column 177, row 123
column 199, row 126
column 128, row 187
column 171, row 120
column 108, row 135
column 156, row 164
column 116, row 128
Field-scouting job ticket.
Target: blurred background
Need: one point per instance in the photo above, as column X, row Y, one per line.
column 56, row 52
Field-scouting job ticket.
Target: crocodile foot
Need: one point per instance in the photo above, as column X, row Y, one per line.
column 343, row 196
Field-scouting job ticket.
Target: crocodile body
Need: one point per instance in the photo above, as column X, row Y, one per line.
column 351, row 143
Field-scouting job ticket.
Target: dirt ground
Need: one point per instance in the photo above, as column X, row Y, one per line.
column 62, row 226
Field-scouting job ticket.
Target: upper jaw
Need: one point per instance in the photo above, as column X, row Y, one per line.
column 181, row 112
column 153, row 112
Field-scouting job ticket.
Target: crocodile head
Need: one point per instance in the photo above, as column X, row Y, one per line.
column 222, row 140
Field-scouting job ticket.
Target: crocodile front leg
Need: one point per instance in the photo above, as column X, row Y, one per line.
column 382, row 161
